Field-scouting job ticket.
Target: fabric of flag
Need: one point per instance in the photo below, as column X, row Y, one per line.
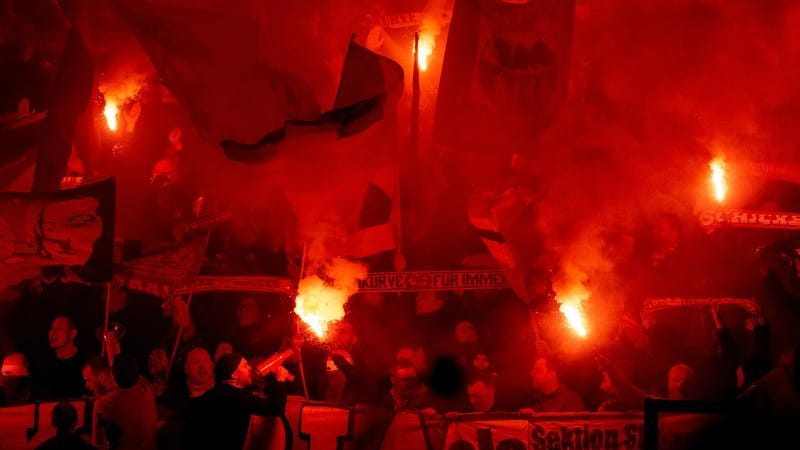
column 368, row 80
column 174, row 265
column 375, row 233
column 506, row 64
column 208, row 58
column 18, row 136
column 71, row 228
column 71, row 94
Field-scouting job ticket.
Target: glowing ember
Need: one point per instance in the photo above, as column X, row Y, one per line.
column 319, row 304
column 718, row 179
column 574, row 315
column 426, row 45
column 111, row 113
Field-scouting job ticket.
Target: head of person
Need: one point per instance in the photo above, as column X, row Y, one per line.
column 125, row 371
column 680, row 382
column 176, row 138
column 429, row 302
column 466, row 333
column 248, row 313
column 223, row 348
column 62, row 333
column 405, row 379
column 158, row 363
column 15, row 365
column 481, row 390
column 666, row 232
column 544, row 377
column 15, row 379
column 481, row 361
column 233, row 369
column 200, row 205
column 199, row 370
column 415, row 354
column 98, row 377
column 343, row 337
column 65, row 418
column 607, row 386
column 373, row 299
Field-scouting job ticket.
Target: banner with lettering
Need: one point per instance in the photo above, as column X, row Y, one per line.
column 546, row 431
column 256, row 284
column 445, row 280
column 713, row 219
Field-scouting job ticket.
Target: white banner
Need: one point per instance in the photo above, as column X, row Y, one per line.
column 444, row 280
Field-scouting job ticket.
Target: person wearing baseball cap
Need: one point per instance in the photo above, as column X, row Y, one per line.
column 222, row 415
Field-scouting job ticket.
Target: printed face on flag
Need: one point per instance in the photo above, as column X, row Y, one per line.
column 49, row 232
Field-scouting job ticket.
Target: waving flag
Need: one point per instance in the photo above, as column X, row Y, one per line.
column 72, row 228
column 368, row 81
column 208, row 58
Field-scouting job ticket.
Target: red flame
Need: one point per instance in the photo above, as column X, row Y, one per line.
column 111, row 113
column 718, row 180
column 573, row 313
column 319, row 303
column 426, row 46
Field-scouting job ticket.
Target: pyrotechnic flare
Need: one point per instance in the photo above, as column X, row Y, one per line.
column 718, row 180
column 425, row 50
column 575, row 319
column 571, row 292
column 111, row 113
column 319, row 303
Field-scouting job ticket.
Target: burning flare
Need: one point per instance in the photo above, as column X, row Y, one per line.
column 426, row 46
column 718, row 181
column 571, row 291
column 111, row 113
column 319, row 303
column 575, row 319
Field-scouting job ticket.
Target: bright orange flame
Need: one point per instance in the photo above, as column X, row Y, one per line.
column 318, row 304
column 575, row 319
column 111, row 113
column 426, row 46
column 718, row 180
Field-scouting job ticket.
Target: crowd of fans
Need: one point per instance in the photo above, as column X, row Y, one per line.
column 182, row 382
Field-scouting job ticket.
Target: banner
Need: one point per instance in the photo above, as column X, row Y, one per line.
column 546, row 432
column 255, row 284
column 173, row 264
column 655, row 304
column 72, row 228
column 446, row 280
column 712, row 219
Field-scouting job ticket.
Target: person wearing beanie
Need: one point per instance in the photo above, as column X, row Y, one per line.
column 222, row 415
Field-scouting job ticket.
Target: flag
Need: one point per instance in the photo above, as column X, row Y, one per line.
column 506, row 64
column 374, row 239
column 208, row 58
column 18, row 135
column 71, row 95
column 368, row 80
column 171, row 266
column 72, row 228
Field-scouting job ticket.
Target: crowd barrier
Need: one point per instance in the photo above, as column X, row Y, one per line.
column 28, row 426
column 309, row 425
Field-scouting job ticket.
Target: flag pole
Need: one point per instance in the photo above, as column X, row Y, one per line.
column 188, row 305
column 415, row 99
column 105, row 324
column 300, row 364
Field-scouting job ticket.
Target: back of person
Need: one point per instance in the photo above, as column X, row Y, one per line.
column 128, row 414
column 65, row 419
column 65, row 442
